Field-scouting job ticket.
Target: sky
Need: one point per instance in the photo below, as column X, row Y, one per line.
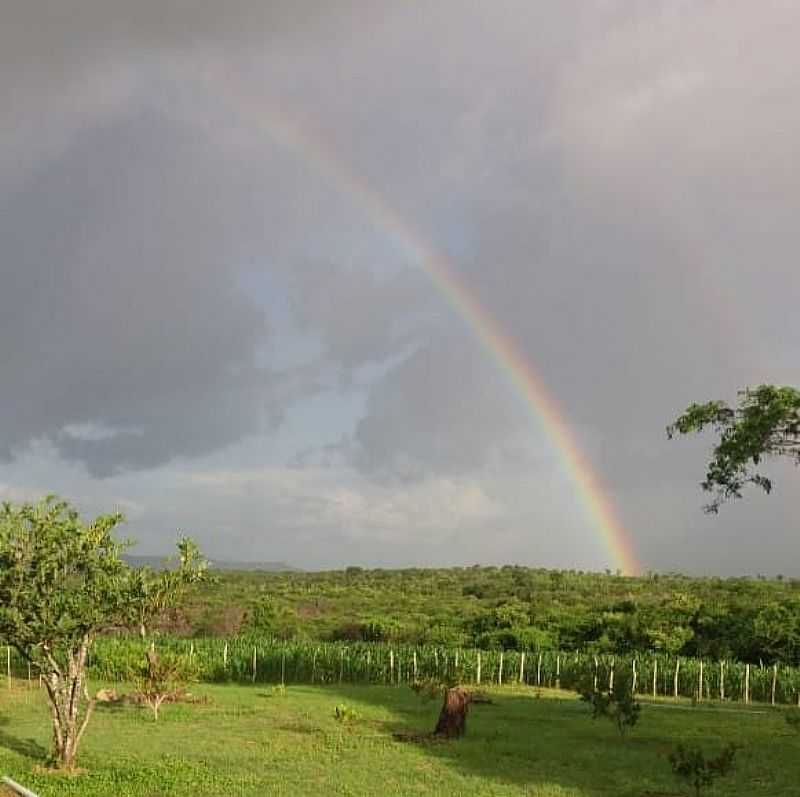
column 219, row 304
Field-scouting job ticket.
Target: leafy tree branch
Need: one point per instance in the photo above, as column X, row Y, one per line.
column 765, row 423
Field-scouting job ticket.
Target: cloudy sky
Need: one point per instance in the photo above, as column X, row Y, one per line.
column 217, row 310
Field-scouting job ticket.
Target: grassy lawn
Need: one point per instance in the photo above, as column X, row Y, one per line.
column 255, row 741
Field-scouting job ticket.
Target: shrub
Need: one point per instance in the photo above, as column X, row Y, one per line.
column 618, row 704
column 345, row 714
column 691, row 764
column 164, row 677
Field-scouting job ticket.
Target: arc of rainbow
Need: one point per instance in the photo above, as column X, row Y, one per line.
column 500, row 347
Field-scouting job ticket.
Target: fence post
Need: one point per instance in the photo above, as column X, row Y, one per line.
column 500, row 671
column 634, row 677
column 225, row 657
column 677, row 673
column 722, row 680
column 611, row 677
column 479, row 668
column 391, row 666
column 415, row 665
column 558, row 671
column 774, row 682
column 746, row 683
column 700, row 684
column 255, row 663
column 596, row 665
column 655, row 677
column 539, row 671
column 522, row 668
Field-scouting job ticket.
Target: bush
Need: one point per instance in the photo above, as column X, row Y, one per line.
column 345, row 714
column 691, row 764
column 164, row 677
column 618, row 704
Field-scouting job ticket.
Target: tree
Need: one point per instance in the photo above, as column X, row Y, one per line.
column 617, row 703
column 691, row 764
column 766, row 423
column 164, row 677
column 62, row 582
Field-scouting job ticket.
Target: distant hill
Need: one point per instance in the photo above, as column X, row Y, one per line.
column 157, row 562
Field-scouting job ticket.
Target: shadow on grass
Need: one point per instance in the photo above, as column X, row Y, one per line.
column 544, row 746
column 28, row 748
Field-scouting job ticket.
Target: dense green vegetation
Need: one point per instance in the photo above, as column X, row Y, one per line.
column 755, row 620
column 250, row 741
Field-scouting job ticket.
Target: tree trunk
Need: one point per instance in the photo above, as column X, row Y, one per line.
column 453, row 716
column 67, row 692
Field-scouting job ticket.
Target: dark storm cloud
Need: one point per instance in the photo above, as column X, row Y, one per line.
column 120, row 307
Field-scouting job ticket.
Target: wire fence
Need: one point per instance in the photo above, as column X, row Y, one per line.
column 267, row 661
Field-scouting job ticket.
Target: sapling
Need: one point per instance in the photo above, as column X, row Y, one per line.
column 618, row 703
column 691, row 764
column 164, row 677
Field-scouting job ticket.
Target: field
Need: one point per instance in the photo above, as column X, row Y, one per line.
column 258, row 740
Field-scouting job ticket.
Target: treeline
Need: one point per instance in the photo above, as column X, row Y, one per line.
column 509, row 608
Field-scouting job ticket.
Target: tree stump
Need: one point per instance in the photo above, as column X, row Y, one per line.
column 453, row 716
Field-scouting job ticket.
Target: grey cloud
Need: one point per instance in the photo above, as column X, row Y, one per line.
column 442, row 410
column 120, row 306
column 360, row 316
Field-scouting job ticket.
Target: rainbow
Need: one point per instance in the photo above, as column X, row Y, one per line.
column 285, row 131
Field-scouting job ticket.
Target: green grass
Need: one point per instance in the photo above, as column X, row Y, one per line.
column 255, row 741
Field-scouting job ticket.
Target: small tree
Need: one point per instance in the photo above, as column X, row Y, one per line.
column 62, row 582
column 617, row 704
column 765, row 424
column 691, row 764
column 164, row 677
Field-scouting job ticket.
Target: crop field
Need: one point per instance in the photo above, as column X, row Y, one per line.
column 257, row 740
column 260, row 660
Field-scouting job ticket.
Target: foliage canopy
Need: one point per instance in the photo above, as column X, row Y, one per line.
column 766, row 423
